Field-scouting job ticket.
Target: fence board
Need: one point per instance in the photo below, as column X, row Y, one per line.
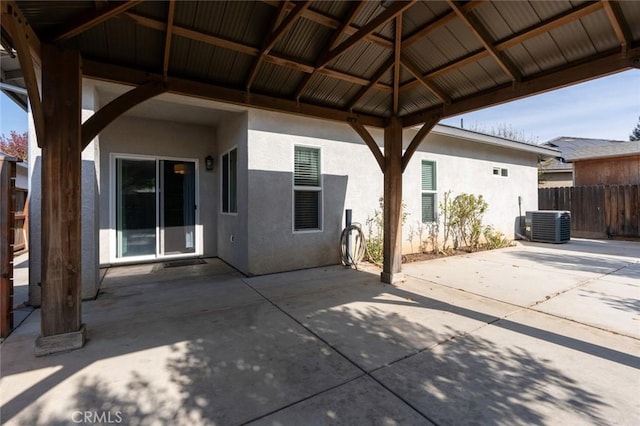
column 597, row 211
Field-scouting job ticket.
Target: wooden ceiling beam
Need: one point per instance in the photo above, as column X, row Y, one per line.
column 278, row 29
column 602, row 65
column 520, row 37
column 167, row 38
column 333, row 23
column 397, row 52
column 355, row 10
column 390, row 13
column 438, row 22
column 92, row 18
column 431, row 86
column 374, row 80
column 248, row 50
column 485, row 39
column 616, row 18
column 131, row 76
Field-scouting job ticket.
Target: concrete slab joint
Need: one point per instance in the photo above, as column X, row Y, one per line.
column 47, row 345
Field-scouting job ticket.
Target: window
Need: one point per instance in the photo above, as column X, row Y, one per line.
column 429, row 188
column 307, row 189
column 498, row 171
column 230, row 181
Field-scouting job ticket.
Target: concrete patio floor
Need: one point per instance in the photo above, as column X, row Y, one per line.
column 533, row 334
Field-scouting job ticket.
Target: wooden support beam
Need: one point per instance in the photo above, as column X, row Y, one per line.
column 124, row 75
column 167, row 39
column 368, row 139
column 61, row 324
column 18, row 33
column 392, row 11
column 114, row 109
column 485, row 39
column 92, row 18
column 392, row 214
column 616, row 18
column 10, row 9
column 417, row 140
column 605, row 64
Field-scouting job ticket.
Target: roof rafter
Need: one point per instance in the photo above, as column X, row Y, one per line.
column 438, row 22
column 521, row 36
column 131, row 76
column 355, row 10
column 614, row 14
column 390, row 13
column 248, row 50
column 397, row 51
column 485, row 39
column 278, row 29
column 431, row 86
column 605, row 64
column 167, row 38
column 374, row 80
column 92, row 18
column 331, row 22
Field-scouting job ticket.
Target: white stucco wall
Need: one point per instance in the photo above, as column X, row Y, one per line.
column 232, row 236
column 140, row 136
column 353, row 180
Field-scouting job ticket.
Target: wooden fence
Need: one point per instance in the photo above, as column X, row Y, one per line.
column 7, row 233
column 601, row 211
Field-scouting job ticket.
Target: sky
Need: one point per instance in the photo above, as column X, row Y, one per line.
column 605, row 108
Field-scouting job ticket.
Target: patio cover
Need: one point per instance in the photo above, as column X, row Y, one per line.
column 387, row 64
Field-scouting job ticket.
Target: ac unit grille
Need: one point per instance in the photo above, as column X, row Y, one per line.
column 549, row 226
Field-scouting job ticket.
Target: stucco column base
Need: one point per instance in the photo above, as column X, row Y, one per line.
column 391, row 277
column 61, row 342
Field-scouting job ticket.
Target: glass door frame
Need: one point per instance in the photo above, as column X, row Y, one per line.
column 113, row 190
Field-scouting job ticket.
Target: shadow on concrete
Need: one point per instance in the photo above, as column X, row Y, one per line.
column 235, row 357
column 571, row 262
column 630, row 249
column 627, row 304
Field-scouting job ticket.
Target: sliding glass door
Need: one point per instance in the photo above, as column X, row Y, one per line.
column 155, row 207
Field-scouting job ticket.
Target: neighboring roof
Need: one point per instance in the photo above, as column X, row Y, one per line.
column 342, row 60
column 606, row 151
column 568, row 145
column 494, row 140
column 556, row 166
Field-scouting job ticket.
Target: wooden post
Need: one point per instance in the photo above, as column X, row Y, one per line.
column 62, row 328
column 392, row 248
column 7, row 220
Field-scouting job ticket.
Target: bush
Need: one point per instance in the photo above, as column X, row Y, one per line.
column 495, row 239
column 466, row 215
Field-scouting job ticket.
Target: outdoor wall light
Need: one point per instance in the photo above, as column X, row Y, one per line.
column 208, row 162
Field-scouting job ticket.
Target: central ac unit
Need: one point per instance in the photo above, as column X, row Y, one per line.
column 548, row 226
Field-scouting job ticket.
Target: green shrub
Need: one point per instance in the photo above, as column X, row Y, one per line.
column 495, row 239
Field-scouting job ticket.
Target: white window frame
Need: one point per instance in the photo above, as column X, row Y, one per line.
column 319, row 189
column 158, row 255
column 430, row 191
column 229, row 213
column 500, row 172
